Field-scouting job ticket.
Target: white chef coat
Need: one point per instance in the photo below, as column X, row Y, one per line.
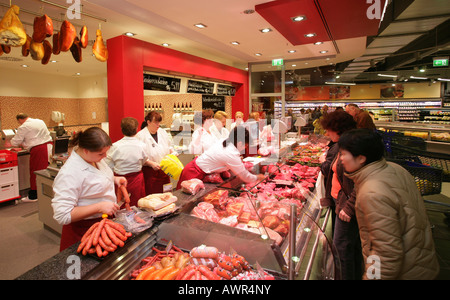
column 219, row 134
column 156, row 150
column 206, row 141
column 32, row 132
column 79, row 183
column 218, row 159
column 126, row 156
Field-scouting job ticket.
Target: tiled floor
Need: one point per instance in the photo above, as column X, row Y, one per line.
column 25, row 243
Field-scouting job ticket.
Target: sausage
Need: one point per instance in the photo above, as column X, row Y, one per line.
column 119, row 235
column 206, row 252
column 189, row 274
column 146, row 272
column 225, row 263
column 183, row 271
column 112, row 236
column 171, row 275
column 153, row 275
column 116, row 226
column 126, row 197
column 98, row 231
column 106, row 247
column 164, row 272
column 223, row 273
column 88, row 244
column 89, row 231
column 205, row 271
column 105, row 238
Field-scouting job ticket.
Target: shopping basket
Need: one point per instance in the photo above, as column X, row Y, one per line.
column 391, row 138
column 428, row 179
column 436, row 160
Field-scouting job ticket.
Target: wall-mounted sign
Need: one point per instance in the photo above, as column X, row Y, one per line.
column 226, row 90
column 440, row 61
column 161, row 83
column 213, row 102
column 277, row 62
column 200, row 87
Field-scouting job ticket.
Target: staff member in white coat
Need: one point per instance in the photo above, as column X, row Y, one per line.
column 202, row 137
column 84, row 186
column 158, row 144
column 220, row 157
column 34, row 136
column 126, row 158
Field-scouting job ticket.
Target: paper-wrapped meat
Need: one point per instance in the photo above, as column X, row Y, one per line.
column 192, row 186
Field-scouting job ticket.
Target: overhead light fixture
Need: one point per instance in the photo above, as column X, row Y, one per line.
column 443, row 79
column 323, row 51
column 294, row 65
column 265, row 30
column 415, row 77
column 200, row 25
column 292, row 51
column 129, row 34
column 318, row 43
column 310, row 35
column 422, row 70
column 337, row 76
column 77, row 74
column 54, row 61
column 387, row 75
column 24, row 66
column 298, row 18
column 165, row 44
column 258, row 54
column 235, row 43
column 340, row 83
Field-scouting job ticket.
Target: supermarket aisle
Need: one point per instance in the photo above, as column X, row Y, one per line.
column 25, row 243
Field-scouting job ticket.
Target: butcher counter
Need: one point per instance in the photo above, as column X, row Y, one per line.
column 313, row 257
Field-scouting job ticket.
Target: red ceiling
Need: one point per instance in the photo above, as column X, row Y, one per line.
column 342, row 18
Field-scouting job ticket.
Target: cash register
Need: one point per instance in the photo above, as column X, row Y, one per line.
column 60, row 154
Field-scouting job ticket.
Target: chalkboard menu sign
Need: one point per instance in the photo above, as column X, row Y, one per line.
column 200, row 87
column 226, row 90
column 213, row 102
column 161, row 83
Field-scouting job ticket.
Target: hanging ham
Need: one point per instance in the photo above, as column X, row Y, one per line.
column 26, row 46
column 76, row 50
column 84, row 37
column 42, row 28
column 67, row 36
column 99, row 49
column 56, row 44
column 12, row 32
column 37, row 51
column 47, row 52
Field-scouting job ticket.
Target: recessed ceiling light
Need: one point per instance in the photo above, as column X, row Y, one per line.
column 318, row 43
column 165, row 44
column 294, row 65
column 258, row 54
column 77, row 74
column 200, row 25
column 235, row 43
column 292, row 51
column 265, row 30
column 54, row 61
column 24, row 66
column 310, row 35
column 298, row 18
column 129, row 34
column 323, row 51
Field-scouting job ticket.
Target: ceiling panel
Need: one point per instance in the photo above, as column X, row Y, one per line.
column 279, row 14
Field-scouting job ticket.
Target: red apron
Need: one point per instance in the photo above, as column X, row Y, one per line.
column 154, row 180
column 38, row 161
column 191, row 170
column 135, row 186
column 73, row 232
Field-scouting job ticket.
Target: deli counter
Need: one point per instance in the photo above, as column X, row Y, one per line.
column 297, row 249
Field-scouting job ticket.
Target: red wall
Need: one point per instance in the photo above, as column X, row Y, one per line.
column 127, row 59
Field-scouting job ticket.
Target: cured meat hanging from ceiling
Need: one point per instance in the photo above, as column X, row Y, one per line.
column 12, row 34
